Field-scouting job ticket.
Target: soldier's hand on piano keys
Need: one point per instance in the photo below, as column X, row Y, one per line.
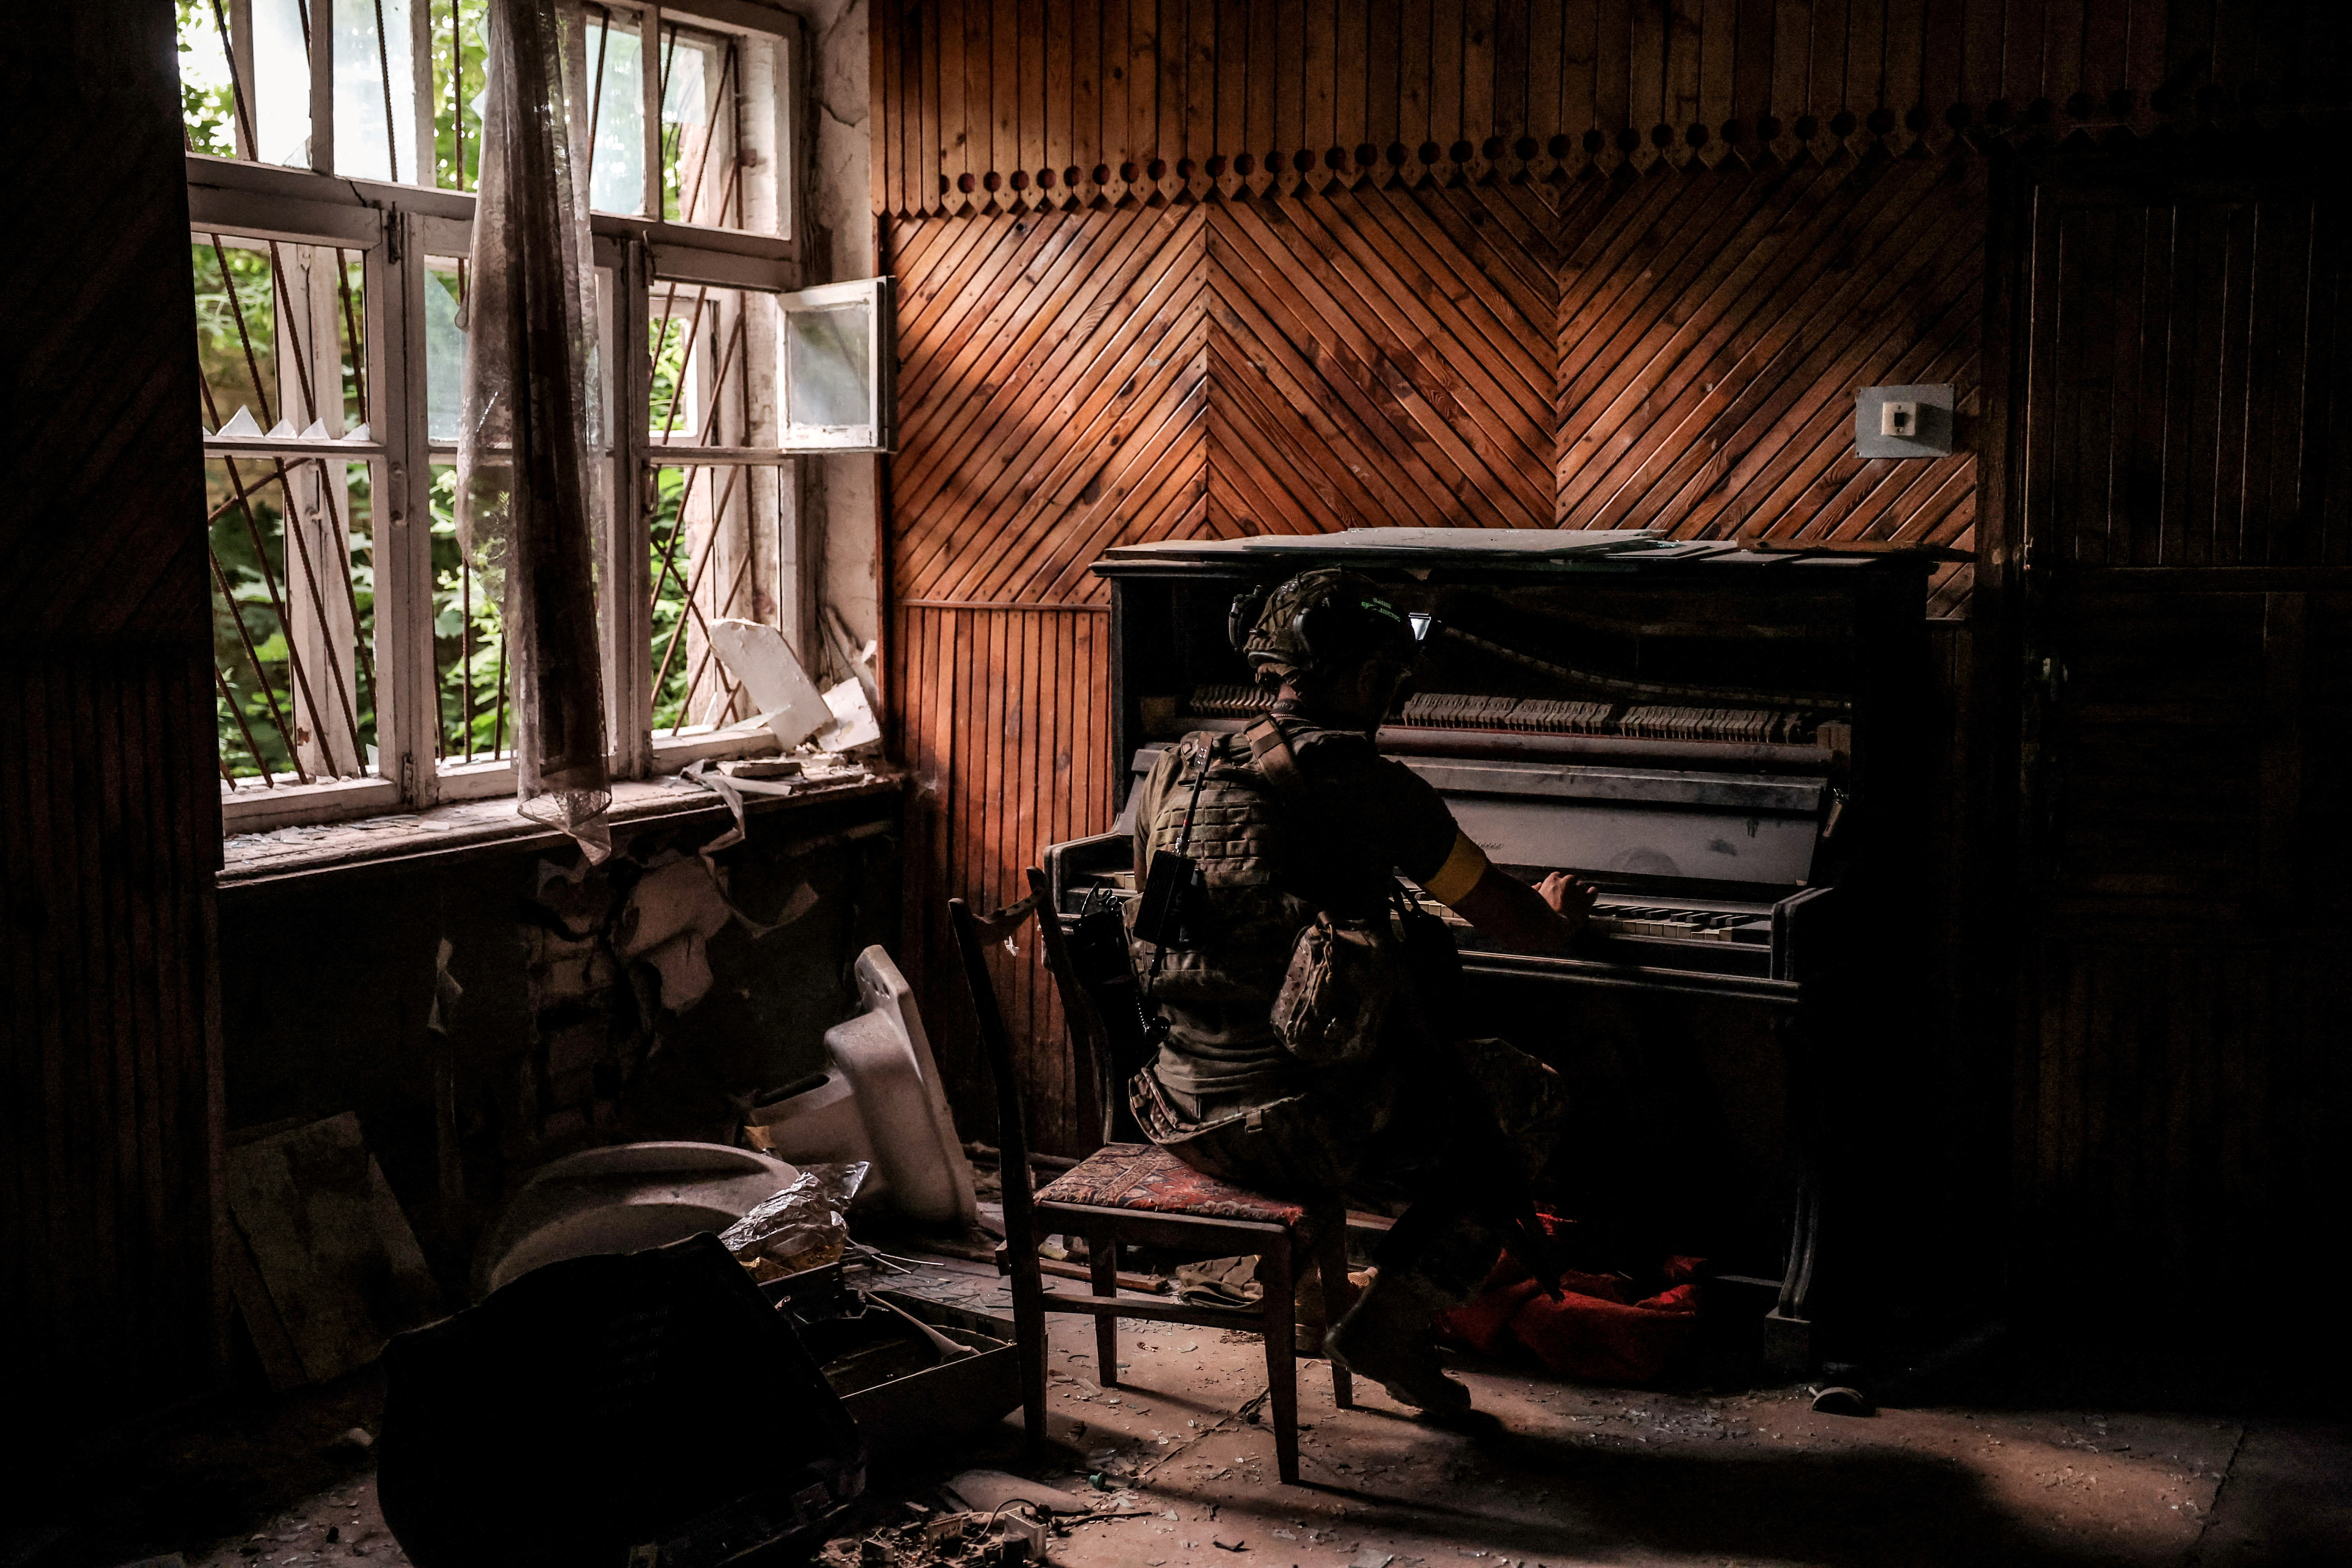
column 1570, row 898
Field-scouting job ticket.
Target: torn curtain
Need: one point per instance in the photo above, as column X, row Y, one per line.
column 526, row 450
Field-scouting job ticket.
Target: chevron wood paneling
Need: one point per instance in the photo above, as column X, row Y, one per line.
column 1381, row 357
column 1713, row 328
column 983, row 103
column 1052, row 398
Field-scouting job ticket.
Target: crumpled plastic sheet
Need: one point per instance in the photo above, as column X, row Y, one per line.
column 805, row 1225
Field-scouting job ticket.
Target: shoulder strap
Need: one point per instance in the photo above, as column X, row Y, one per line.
column 1270, row 753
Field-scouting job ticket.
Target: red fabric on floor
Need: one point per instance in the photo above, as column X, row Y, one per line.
column 1590, row 1330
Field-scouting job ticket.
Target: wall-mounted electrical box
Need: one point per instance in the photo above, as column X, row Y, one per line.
column 1903, row 421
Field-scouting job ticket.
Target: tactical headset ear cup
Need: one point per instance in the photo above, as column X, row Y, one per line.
column 1329, row 629
column 1241, row 620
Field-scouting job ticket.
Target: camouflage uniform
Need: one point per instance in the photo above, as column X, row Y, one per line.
column 1417, row 1117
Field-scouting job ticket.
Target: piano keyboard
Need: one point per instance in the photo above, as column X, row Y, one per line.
column 1688, row 925
column 1548, row 716
column 1449, row 711
column 1746, row 928
column 1229, row 702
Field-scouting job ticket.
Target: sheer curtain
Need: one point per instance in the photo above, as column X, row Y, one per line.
column 530, row 427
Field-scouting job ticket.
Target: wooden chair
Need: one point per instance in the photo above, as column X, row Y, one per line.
column 1138, row 1194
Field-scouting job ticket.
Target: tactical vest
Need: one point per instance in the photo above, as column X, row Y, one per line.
column 1269, row 860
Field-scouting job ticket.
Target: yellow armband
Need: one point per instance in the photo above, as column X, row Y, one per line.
column 1452, row 882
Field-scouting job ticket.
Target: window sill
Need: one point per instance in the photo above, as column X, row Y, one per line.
column 249, row 810
column 464, row 829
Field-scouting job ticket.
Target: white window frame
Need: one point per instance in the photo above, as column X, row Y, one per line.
column 394, row 227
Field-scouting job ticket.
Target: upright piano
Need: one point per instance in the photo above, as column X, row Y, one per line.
column 1724, row 739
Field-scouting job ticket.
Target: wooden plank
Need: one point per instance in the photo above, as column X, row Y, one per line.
column 1202, row 89
column 1718, row 42
column 1318, row 70
column 980, row 103
column 1647, row 105
column 2283, row 704
column 1792, row 57
column 2106, row 34
column 1546, row 31
column 1006, row 107
column 2062, row 50
column 1143, row 84
column 1615, row 107
column 1383, row 106
column 1289, row 78
column 1903, row 86
column 1086, row 90
column 1350, row 67
column 1447, row 30
column 927, row 162
column 1413, row 74
column 1943, row 44
column 2020, row 56
column 1981, row 78
column 2273, row 532
column 1826, row 76
column 1865, row 57
column 1175, row 34
column 2144, row 47
column 1061, row 56
column 1683, row 64
column 1118, row 126
column 1579, row 54
column 1231, row 67
column 1264, row 69
column 955, row 129
column 1477, row 73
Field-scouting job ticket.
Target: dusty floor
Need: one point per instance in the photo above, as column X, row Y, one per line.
column 1573, row 1475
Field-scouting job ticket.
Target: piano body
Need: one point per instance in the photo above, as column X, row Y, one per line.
column 1723, row 740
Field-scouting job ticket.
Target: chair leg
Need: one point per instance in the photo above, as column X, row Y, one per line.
column 1029, row 1334
column 1102, row 1270
column 1280, row 1308
column 1331, row 1263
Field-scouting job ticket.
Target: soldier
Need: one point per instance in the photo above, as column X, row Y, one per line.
column 1297, row 1055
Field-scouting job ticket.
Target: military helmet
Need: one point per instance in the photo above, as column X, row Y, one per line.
column 1316, row 623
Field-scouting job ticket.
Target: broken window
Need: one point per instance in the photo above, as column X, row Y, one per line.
column 360, row 666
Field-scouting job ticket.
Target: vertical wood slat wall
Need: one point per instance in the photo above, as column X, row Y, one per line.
column 1017, row 104
column 2184, row 503
column 110, row 808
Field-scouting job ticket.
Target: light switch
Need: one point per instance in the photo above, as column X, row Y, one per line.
column 1903, row 421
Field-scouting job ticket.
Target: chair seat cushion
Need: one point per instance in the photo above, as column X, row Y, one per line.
column 1146, row 1176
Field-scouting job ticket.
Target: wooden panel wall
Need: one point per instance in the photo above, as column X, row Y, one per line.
column 1592, row 314
column 2182, row 499
column 1672, row 348
column 1021, row 102
column 110, row 815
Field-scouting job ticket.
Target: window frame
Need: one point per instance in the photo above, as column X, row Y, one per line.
column 395, row 227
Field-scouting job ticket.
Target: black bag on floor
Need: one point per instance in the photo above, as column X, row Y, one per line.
column 600, row 1404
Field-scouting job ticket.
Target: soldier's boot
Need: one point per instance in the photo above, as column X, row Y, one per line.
column 1313, row 1317
column 1387, row 1337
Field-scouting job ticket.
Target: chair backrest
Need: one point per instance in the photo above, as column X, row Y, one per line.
column 1012, row 1134
column 1089, row 1031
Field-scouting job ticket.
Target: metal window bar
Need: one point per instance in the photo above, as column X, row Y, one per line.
column 693, row 607
column 383, row 75
column 253, row 526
